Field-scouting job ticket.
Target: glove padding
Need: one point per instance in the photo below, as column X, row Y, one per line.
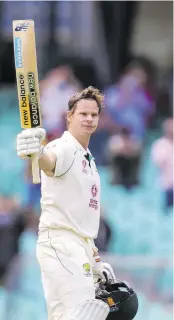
column 29, row 142
column 109, row 273
column 103, row 272
column 98, row 270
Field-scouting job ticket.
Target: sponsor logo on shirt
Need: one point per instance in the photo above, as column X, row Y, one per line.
column 94, row 190
column 93, row 203
column 87, row 268
column 84, row 166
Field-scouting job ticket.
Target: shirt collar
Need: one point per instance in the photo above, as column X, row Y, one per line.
column 70, row 138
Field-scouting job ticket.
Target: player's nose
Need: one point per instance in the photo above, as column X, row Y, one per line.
column 89, row 118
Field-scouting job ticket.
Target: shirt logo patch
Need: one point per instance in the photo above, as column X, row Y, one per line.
column 87, row 268
column 84, row 166
column 94, row 203
column 94, row 190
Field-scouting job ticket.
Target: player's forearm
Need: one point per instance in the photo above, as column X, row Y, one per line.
column 47, row 161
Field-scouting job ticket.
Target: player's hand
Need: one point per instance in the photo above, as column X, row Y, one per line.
column 98, row 269
column 29, row 142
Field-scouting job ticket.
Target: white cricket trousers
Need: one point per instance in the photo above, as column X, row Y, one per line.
column 66, row 262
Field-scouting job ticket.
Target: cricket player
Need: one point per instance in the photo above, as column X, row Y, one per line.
column 70, row 185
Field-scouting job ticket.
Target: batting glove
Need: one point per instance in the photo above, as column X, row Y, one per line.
column 98, row 269
column 109, row 273
column 29, row 142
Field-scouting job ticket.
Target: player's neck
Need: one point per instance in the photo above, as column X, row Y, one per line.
column 83, row 140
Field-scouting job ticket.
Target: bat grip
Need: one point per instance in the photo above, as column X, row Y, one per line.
column 35, row 169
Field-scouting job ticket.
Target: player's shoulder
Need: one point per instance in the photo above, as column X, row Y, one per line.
column 53, row 143
column 60, row 145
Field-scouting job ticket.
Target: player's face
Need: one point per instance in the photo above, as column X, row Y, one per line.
column 85, row 117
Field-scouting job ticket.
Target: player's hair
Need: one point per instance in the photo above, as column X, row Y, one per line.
column 90, row 93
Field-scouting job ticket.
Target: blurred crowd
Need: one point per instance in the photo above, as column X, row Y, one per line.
column 131, row 109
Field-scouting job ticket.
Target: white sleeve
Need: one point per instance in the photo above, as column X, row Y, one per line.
column 65, row 157
column 94, row 246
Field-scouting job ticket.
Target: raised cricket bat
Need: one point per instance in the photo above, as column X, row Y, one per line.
column 27, row 80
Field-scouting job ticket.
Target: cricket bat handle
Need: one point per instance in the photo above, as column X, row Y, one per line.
column 35, row 169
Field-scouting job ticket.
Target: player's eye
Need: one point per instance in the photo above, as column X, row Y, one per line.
column 94, row 115
column 83, row 113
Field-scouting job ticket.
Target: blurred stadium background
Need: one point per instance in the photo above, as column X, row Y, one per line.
column 126, row 50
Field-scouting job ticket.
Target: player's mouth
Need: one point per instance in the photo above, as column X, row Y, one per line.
column 88, row 127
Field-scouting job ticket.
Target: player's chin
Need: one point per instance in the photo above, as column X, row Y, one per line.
column 89, row 129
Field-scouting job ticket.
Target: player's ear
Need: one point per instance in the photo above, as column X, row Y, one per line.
column 69, row 116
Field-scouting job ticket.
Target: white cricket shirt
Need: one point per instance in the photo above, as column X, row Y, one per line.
column 71, row 199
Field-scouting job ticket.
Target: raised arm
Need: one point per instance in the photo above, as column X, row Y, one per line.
column 55, row 158
column 29, row 142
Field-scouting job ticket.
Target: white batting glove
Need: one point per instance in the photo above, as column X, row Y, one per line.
column 29, row 142
column 98, row 269
column 109, row 273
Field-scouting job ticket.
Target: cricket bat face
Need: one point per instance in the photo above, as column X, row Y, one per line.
column 27, row 80
column 26, row 73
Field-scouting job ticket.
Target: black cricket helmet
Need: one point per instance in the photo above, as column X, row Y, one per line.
column 121, row 298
